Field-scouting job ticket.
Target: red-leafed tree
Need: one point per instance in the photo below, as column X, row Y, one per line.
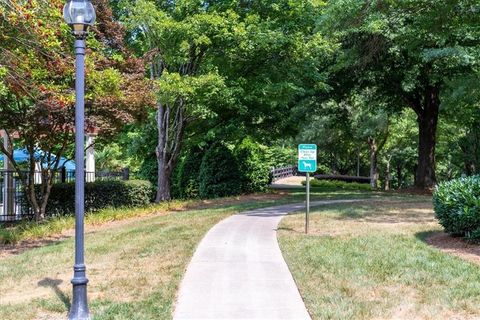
column 37, row 86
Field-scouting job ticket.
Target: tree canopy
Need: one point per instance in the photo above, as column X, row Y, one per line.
column 387, row 89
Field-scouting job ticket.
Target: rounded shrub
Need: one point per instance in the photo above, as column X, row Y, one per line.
column 457, row 206
column 188, row 177
column 253, row 166
column 219, row 174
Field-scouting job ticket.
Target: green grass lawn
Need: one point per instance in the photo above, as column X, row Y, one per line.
column 56, row 225
column 135, row 257
column 134, row 267
column 369, row 261
column 134, row 264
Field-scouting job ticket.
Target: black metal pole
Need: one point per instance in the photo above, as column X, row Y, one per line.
column 79, row 308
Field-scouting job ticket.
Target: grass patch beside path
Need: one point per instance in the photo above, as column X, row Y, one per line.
column 368, row 261
column 134, row 267
column 61, row 227
column 55, row 226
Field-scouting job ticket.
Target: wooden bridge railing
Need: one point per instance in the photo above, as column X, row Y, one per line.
column 285, row 172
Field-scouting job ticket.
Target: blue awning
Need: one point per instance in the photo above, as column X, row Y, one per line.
column 22, row 155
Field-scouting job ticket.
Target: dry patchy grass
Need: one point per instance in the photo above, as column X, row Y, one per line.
column 134, row 267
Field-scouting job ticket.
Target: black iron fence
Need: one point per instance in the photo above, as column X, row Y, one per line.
column 284, row 172
column 69, row 175
column 11, row 191
column 12, row 199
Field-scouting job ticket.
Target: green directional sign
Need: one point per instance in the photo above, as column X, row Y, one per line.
column 307, row 157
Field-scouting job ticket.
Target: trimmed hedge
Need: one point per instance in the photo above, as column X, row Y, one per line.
column 100, row 195
column 219, row 173
column 335, row 185
column 457, row 206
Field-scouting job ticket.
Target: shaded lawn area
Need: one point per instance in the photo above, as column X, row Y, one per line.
column 369, row 260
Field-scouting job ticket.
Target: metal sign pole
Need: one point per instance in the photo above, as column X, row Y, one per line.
column 308, row 203
column 307, row 162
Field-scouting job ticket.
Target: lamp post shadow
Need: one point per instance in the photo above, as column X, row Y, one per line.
column 54, row 284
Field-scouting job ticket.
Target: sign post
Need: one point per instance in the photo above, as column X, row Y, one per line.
column 307, row 162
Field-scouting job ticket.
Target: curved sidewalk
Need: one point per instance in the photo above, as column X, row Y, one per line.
column 238, row 271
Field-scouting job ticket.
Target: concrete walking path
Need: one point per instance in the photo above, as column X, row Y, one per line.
column 238, row 271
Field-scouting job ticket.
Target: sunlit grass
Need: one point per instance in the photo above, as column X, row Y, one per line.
column 134, row 267
column 53, row 226
column 369, row 261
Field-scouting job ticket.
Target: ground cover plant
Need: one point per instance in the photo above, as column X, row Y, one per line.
column 368, row 260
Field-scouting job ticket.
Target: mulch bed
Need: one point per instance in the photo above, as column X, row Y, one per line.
column 456, row 246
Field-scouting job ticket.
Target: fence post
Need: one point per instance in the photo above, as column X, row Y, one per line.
column 63, row 174
column 125, row 174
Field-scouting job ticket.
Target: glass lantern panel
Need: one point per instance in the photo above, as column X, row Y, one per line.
column 79, row 12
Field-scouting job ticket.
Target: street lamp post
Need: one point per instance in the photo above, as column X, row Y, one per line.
column 79, row 15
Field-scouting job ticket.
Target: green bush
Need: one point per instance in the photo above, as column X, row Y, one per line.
column 335, row 185
column 188, row 179
column 253, row 166
column 149, row 169
column 278, row 156
column 99, row 195
column 457, row 206
column 219, row 174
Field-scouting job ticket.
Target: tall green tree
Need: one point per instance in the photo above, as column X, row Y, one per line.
column 224, row 69
column 409, row 50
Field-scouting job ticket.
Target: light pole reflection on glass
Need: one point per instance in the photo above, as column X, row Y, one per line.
column 79, row 15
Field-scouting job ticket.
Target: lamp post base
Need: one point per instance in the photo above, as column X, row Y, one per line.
column 79, row 308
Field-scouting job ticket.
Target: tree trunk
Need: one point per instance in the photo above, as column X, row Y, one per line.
column 399, row 176
column 358, row 163
column 334, row 167
column 427, row 125
column 163, row 120
column 373, row 162
column 163, row 185
column 170, row 137
column 387, row 174
column 38, row 198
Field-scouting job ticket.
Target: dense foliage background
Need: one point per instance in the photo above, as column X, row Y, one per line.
column 203, row 98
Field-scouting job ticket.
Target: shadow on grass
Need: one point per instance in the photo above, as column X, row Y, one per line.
column 54, row 283
column 386, row 212
column 424, row 235
column 285, row 229
column 452, row 244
